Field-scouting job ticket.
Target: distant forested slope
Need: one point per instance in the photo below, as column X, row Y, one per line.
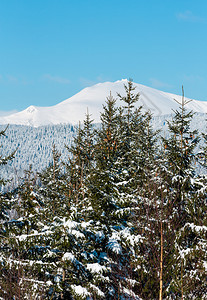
column 34, row 145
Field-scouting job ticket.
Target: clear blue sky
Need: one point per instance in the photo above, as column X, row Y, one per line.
column 51, row 49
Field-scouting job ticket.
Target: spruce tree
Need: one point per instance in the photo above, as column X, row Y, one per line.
column 137, row 144
column 180, row 156
column 68, row 234
column 147, row 209
column 79, row 166
column 183, row 195
column 52, row 187
column 112, row 188
column 6, row 202
column 191, row 240
column 22, row 249
column 102, row 189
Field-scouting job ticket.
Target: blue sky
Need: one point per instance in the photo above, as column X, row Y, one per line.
column 51, row 49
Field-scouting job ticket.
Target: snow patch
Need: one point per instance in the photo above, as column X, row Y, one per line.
column 80, row 291
column 68, row 256
column 96, row 268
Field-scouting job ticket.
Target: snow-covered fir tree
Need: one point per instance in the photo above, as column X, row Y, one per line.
column 186, row 200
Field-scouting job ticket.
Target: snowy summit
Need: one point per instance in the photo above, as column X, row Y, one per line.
column 73, row 109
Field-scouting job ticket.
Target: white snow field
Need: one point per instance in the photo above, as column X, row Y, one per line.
column 73, row 110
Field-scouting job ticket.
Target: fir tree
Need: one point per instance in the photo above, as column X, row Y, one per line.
column 180, row 177
column 111, row 188
column 137, row 142
column 81, row 155
column 52, row 188
column 103, row 178
column 180, row 155
column 21, row 249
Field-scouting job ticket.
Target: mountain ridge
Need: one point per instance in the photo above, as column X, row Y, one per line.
column 73, row 109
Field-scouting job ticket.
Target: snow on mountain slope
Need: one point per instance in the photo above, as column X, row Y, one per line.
column 73, row 110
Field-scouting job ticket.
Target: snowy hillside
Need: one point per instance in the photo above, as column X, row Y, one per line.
column 34, row 145
column 73, row 109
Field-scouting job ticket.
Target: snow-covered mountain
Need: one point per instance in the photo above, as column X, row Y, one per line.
column 55, row 124
column 72, row 110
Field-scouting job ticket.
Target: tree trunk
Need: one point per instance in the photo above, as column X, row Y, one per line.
column 161, row 261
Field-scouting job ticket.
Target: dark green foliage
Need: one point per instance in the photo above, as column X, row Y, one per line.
column 52, row 188
column 103, row 176
column 188, row 204
column 81, row 160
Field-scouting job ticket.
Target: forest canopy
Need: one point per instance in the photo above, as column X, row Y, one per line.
column 123, row 218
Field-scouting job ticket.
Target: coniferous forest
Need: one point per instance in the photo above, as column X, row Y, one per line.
column 123, row 218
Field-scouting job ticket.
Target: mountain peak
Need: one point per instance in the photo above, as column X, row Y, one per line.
column 31, row 109
column 73, row 109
